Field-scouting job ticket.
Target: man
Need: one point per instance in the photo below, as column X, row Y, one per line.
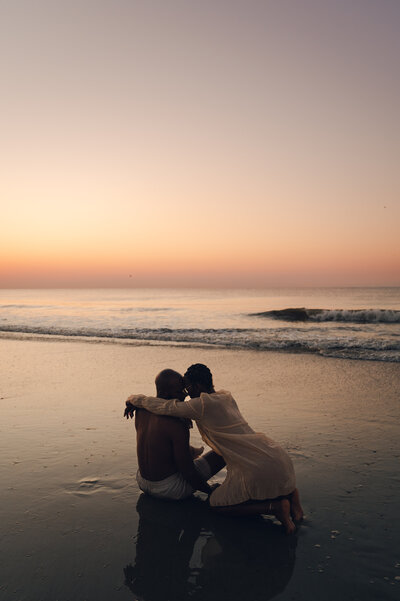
column 166, row 466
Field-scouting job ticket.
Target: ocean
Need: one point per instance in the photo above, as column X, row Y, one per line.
column 348, row 323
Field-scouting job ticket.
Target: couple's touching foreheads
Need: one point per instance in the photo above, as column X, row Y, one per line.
column 260, row 477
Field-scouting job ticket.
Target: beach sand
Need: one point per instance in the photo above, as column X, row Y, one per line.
column 75, row 527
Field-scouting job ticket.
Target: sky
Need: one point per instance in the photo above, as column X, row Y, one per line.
column 218, row 143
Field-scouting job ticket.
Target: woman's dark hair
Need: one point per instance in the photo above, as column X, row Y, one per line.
column 199, row 374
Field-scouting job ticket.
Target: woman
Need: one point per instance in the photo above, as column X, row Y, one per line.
column 260, row 475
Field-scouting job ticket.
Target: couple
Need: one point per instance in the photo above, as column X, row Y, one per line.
column 260, row 476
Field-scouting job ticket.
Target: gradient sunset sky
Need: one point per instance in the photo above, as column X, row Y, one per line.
column 186, row 143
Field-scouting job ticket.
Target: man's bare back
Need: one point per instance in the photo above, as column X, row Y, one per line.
column 162, row 446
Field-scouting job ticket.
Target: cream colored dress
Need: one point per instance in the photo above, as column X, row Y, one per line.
column 257, row 467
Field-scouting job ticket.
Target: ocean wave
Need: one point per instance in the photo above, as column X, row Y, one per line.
column 340, row 315
column 279, row 339
column 25, row 306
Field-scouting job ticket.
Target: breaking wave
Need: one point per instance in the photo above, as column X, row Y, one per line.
column 340, row 315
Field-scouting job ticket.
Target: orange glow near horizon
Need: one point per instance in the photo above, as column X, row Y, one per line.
column 176, row 267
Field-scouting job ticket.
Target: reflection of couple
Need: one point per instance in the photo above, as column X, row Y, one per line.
column 260, row 476
column 185, row 551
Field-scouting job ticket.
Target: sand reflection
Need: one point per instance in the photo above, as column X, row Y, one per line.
column 183, row 550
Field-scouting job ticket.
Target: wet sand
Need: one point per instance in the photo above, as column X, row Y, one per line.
column 75, row 526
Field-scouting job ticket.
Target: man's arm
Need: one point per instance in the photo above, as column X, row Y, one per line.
column 183, row 458
column 192, row 409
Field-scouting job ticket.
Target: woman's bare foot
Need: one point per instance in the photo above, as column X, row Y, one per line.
column 296, row 510
column 281, row 509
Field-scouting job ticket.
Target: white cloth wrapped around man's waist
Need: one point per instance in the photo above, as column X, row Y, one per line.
column 174, row 487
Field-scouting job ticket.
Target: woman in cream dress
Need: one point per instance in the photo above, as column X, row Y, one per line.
column 260, row 475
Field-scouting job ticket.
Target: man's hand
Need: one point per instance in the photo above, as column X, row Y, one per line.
column 196, row 451
column 129, row 410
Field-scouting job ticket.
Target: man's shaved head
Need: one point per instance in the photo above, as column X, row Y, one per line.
column 170, row 385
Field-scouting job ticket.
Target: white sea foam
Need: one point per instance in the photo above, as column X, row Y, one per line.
column 316, row 340
column 358, row 315
column 340, row 315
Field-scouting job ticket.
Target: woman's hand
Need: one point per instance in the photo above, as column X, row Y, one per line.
column 129, row 410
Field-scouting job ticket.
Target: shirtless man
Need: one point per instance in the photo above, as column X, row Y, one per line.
column 166, row 466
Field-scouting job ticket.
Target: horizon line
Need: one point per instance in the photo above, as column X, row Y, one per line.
column 289, row 287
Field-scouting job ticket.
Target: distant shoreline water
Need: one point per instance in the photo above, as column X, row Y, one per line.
column 361, row 323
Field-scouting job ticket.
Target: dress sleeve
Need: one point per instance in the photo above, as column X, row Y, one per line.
column 192, row 409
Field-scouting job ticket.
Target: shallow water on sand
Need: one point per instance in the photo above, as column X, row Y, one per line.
column 74, row 525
